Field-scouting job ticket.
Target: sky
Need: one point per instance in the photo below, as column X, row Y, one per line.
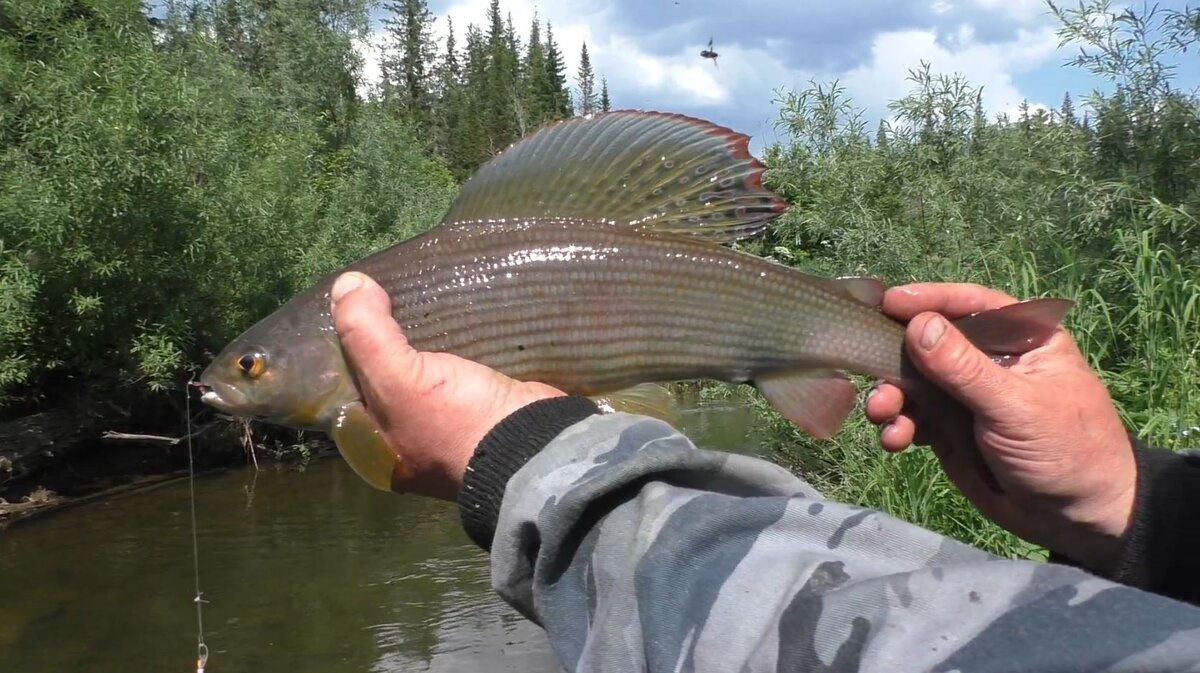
column 649, row 51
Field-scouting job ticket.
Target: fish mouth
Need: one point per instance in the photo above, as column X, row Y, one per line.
column 230, row 403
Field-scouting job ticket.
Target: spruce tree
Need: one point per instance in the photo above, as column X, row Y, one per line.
column 586, row 81
column 408, row 60
column 557, row 96
column 537, row 81
column 500, row 90
column 1067, row 111
column 605, row 103
column 448, row 107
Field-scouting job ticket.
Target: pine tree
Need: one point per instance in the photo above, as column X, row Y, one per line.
column 979, row 122
column 605, row 103
column 557, row 97
column 586, row 81
column 881, row 136
column 469, row 147
column 448, row 108
column 407, row 63
column 537, row 81
column 501, row 89
column 1067, row 111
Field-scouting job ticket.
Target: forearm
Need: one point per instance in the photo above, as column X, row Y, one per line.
column 1161, row 550
column 636, row 551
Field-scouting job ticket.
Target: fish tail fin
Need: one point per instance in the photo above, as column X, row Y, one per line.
column 819, row 401
column 1014, row 329
column 646, row 399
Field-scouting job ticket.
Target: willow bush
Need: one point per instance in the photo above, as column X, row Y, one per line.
column 1102, row 210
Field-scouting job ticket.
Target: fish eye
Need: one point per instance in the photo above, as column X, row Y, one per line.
column 252, row 364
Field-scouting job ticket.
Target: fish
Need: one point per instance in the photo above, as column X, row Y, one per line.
column 594, row 255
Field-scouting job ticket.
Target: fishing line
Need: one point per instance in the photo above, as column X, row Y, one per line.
column 201, row 648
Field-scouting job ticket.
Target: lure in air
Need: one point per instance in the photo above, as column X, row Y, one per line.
column 709, row 53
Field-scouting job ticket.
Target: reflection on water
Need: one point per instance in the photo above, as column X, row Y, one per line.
column 303, row 571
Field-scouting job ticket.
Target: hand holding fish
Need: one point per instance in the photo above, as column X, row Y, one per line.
column 431, row 408
column 1046, row 427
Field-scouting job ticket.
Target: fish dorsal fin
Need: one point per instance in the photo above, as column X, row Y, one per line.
column 868, row 291
column 663, row 172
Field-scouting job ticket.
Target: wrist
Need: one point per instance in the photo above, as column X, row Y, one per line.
column 1097, row 529
column 505, row 450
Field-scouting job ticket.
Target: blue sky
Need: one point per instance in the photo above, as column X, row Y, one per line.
column 649, row 50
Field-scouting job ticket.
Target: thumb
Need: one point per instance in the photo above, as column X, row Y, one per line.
column 951, row 362
column 372, row 341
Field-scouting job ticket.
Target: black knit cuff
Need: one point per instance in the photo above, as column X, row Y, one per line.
column 506, row 449
column 1161, row 551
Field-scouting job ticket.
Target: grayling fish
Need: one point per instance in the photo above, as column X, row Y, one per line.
column 587, row 256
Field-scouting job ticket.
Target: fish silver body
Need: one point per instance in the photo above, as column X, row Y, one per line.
column 588, row 257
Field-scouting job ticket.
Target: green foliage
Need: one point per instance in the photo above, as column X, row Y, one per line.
column 1104, row 212
column 588, row 102
column 407, row 65
column 158, row 194
column 493, row 92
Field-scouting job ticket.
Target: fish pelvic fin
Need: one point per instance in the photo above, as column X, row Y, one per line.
column 1014, row 329
column 662, row 172
column 817, row 401
column 645, row 399
column 364, row 448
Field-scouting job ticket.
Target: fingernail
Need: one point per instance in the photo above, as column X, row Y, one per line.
column 934, row 329
column 344, row 285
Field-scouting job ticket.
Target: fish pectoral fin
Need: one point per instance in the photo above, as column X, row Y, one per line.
column 363, row 446
column 817, row 401
column 660, row 172
column 645, row 399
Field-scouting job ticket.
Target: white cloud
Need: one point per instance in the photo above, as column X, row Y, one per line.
column 991, row 66
column 370, row 50
column 1025, row 11
column 739, row 90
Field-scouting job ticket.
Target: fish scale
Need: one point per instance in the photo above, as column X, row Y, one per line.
column 706, row 297
column 589, row 256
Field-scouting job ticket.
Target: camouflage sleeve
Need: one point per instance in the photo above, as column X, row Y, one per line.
column 636, row 551
column 1161, row 551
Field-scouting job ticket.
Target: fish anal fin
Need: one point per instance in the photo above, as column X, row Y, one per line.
column 646, row 399
column 659, row 172
column 816, row 401
column 363, row 447
column 1014, row 329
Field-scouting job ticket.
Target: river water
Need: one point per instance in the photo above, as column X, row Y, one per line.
column 303, row 570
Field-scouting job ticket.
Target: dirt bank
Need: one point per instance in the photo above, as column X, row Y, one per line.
column 68, row 455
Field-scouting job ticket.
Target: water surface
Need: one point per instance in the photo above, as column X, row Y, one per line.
column 303, row 570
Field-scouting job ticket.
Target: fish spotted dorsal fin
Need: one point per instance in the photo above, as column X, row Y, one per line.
column 663, row 172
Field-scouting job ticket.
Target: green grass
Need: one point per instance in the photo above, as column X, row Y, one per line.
column 1137, row 320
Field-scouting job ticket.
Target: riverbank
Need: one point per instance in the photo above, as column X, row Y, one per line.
column 71, row 456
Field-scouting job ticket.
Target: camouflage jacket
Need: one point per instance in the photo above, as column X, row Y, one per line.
column 636, row 551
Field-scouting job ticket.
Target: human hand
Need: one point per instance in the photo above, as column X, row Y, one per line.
column 1038, row 446
column 433, row 408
